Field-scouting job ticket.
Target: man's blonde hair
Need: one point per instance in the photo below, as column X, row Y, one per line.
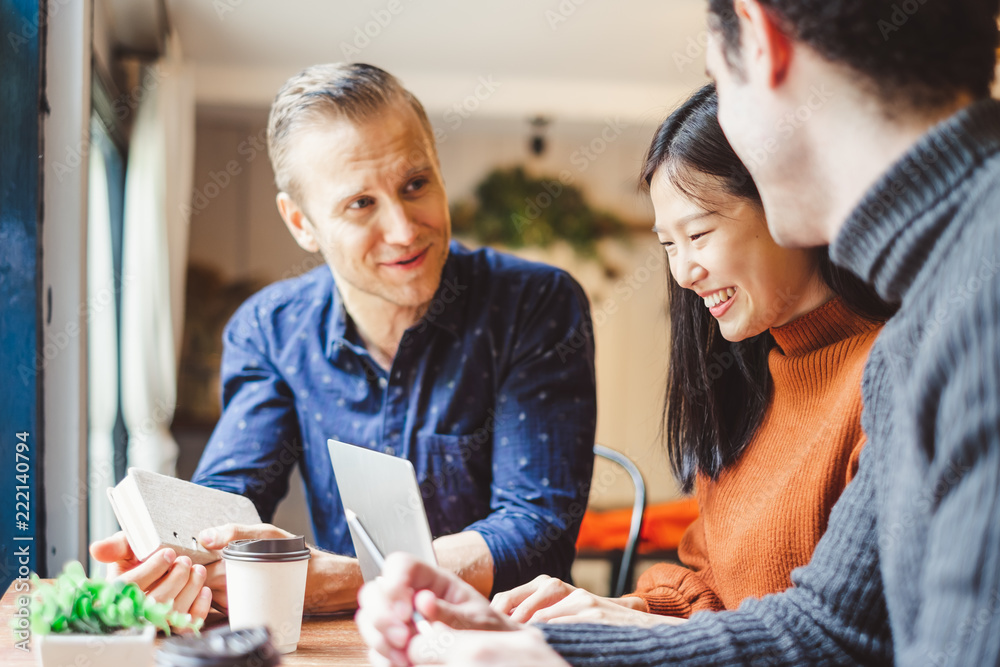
column 354, row 91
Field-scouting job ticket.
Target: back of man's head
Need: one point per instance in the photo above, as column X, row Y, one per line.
column 921, row 54
column 352, row 91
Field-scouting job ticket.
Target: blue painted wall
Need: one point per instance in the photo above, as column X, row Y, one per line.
column 21, row 364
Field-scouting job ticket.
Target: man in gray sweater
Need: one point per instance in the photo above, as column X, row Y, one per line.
column 867, row 125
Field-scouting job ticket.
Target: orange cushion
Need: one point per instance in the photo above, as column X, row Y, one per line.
column 662, row 530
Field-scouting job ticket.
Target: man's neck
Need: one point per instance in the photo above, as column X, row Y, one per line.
column 850, row 147
column 876, row 144
column 379, row 323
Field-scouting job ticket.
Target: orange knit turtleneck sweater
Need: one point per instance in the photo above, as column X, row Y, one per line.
column 765, row 514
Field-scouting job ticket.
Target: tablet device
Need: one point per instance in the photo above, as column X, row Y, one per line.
column 382, row 491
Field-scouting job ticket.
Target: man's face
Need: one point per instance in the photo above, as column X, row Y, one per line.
column 760, row 122
column 738, row 116
column 374, row 205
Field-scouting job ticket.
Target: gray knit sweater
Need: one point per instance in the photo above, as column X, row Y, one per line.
column 908, row 572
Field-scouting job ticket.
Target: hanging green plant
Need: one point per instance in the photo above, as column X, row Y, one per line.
column 74, row 603
column 516, row 210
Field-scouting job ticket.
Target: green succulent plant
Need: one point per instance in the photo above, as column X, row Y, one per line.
column 75, row 603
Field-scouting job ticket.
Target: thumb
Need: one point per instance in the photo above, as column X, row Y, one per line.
column 219, row 537
column 458, row 616
column 462, row 615
column 436, row 610
column 112, row 549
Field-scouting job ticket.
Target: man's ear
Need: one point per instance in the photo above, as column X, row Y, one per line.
column 297, row 222
column 767, row 48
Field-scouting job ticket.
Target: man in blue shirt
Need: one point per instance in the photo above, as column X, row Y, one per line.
column 476, row 366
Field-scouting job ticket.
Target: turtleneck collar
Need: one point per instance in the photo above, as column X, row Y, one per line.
column 889, row 235
column 830, row 323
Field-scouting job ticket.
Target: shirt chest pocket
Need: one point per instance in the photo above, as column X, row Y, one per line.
column 453, row 473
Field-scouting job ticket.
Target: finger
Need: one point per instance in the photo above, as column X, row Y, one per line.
column 506, row 602
column 576, row 604
column 464, row 616
column 571, row 619
column 192, row 589
column 220, row 536
column 220, row 602
column 215, row 576
column 199, row 610
column 381, row 619
column 440, row 611
column 202, row 604
column 670, row 620
column 169, row 587
column 114, row 550
column 152, row 570
column 391, row 645
column 215, row 579
column 548, row 594
column 402, row 571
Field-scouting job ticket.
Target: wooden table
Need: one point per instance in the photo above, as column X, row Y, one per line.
column 325, row 640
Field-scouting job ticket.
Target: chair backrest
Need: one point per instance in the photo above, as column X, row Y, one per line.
column 638, row 515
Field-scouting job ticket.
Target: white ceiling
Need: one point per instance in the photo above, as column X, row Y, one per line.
column 583, row 59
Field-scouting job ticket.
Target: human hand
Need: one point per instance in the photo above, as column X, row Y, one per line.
column 581, row 606
column 523, row 602
column 332, row 581
column 478, row 648
column 164, row 576
column 385, row 617
column 216, row 539
column 546, row 599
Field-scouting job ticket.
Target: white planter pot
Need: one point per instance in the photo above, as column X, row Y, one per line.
column 73, row 650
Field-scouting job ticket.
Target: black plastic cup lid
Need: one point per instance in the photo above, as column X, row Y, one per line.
column 222, row 647
column 268, row 550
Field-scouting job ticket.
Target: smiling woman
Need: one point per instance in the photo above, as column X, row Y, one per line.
column 718, row 247
column 763, row 401
column 719, row 386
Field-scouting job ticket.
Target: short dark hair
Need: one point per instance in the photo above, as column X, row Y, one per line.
column 918, row 53
column 718, row 391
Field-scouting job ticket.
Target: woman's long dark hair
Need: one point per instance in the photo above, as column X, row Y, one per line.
column 718, row 391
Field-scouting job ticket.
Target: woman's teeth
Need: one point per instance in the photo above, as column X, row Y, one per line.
column 713, row 300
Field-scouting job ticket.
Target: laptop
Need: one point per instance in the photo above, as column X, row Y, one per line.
column 382, row 491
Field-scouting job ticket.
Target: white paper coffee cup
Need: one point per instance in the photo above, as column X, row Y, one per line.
column 266, row 586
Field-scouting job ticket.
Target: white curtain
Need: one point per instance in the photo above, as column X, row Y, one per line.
column 158, row 184
column 102, row 342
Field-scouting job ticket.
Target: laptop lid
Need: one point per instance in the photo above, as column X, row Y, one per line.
column 383, row 491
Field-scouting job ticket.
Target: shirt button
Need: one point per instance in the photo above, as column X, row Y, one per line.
column 391, row 451
column 383, row 383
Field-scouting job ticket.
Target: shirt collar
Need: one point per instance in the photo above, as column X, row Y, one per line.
column 888, row 236
column 446, row 310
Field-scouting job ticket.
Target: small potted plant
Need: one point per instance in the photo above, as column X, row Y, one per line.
column 78, row 620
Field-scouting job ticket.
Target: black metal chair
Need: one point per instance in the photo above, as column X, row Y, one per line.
column 623, row 563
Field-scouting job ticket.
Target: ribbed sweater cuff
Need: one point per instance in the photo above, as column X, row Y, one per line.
column 693, row 643
column 664, row 605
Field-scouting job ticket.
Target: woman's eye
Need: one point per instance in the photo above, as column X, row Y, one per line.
column 695, row 237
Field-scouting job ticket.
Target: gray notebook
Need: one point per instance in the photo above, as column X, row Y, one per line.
column 157, row 511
